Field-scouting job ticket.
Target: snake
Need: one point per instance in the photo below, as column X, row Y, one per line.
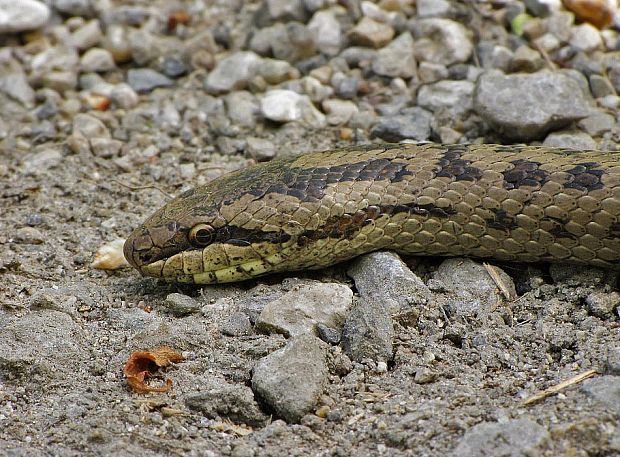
column 510, row 203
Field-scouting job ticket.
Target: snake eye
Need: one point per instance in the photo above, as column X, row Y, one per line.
column 201, row 235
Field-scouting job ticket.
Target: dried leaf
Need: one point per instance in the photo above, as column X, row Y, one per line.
column 110, row 256
column 143, row 364
column 599, row 13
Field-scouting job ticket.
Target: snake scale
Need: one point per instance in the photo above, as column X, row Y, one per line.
column 511, row 203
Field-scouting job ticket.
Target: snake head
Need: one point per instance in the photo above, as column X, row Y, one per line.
column 234, row 228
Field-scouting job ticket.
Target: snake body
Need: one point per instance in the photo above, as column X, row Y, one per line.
column 511, row 203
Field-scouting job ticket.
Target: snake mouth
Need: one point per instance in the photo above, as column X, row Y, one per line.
column 217, row 263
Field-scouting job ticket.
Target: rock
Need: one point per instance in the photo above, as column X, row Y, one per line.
column 97, row 60
column 41, row 347
column 13, row 81
column 473, row 288
column 605, row 390
column 572, row 139
column 612, row 364
column 144, row 80
column 586, row 37
column 285, row 106
column 368, row 32
column 42, row 161
column 89, row 126
column 232, row 72
column 242, row 108
column 397, row 58
column 124, row 96
column 453, row 96
column 87, row 36
column 429, row 72
column 603, row 304
column 339, row 111
column 584, row 276
column 260, row 149
column 22, row 15
column 328, row 334
column 74, row 7
column 220, row 400
column 237, row 324
column 291, row 42
column 600, row 86
column 105, row 147
column 327, row 32
column 29, row 235
column 441, row 41
column 286, row 10
column 526, row 107
column 60, row 81
column 181, row 305
column 526, row 59
column 597, row 123
column 432, row 8
column 411, row 124
column 299, row 311
column 382, row 277
column 514, row 437
column 543, row 8
column 291, row 379
column 368, row 332
column 276, row 71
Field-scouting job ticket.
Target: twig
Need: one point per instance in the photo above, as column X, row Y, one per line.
column 558, row 387
column 149, row 186
column 504, row 289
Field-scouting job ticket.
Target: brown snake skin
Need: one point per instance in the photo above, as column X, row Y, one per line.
column 512, row 203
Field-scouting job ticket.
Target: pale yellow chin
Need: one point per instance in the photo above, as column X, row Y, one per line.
column 218, row 263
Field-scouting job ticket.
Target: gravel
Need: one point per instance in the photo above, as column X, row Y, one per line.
column 110, row 107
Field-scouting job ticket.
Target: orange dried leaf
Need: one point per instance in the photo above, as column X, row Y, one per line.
column 177, row 17
column 599, row 13
column 142, row 364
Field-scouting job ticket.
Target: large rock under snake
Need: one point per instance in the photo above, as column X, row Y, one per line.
column 511, row 203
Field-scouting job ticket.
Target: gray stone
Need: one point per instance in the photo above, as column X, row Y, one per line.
column 275, row 71
column 412, row 124
column 124, row 96
column 526, row 59
column 513, row 438
column 286, row 10
column 291, row 379
column 397, row 58
column 291, row 42
column 441, row 41
column 572, row 139
column 543, row 8
column 383, row 277
column 601, row 86
column 613, row 361
column 242, row 108
column 597, row 123
column 603, row 304
column 233, row 72
column 453, row 96
column 181, row 305
column 586, row 37
column 430, row 72
column 89, row 126
column 299, row 311
column 41, row 346
column 339, row 111
column 87, row 36
column 327, row 32
column 60, row 81
column 472, row 287
column 220, row 400
column 368, row 332
column 74, row 7
column 368, row 32
column 105, row 147
column 97, row 60
column 144, row 80
column 526, row 107
column 237, row 324
column 13, row 81
column 41, row 161
column 260, row 149
column 286, row 106
column 29, row 235
column 605, row 390
column 22, row 15
column 432, row 8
